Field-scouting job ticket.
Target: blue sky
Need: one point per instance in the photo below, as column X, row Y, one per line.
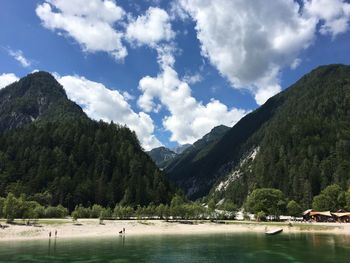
column 171, row 70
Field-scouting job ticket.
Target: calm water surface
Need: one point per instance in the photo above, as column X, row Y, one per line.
column 189, row 248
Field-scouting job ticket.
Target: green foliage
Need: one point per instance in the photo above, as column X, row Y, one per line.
column 294, row 209
column 261, row 216
column 303, row 137
column 211, row 205
column 56, row 212
column 11, row 206
column 122, row 212
column 268, row 200
column 81, row 212
column 181, row 168
column 2, row 201
column 97, row 211
column 332, row 198
column 65, row 158
column 347, row 200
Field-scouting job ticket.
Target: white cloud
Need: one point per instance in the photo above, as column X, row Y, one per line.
column 334, row 14
column 100, row 102
column 193, row 79
column 250, row 41
column 296, row 63
column 6, row 79
column 19, row 56
column 91, row 23
column 189, row 119
column 151, row 28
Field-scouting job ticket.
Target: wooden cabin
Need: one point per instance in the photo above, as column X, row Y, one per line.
column 316, row 216
column 342, row 217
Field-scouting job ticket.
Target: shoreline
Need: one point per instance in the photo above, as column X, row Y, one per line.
column 90, row 228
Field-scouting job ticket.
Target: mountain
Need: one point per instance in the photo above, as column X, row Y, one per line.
column 179, row 168
column 161, row 156
column 37, row 97
column 181, row 148
column 52, row 152
column 298, row 141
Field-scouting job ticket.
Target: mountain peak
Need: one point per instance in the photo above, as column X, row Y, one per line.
column 37, row 96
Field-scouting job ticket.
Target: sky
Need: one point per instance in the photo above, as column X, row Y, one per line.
column 171, row 70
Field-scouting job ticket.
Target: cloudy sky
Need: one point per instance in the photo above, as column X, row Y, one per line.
column 171, row 70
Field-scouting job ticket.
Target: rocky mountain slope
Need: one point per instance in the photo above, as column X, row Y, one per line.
column 162, row 156
column 179, row 169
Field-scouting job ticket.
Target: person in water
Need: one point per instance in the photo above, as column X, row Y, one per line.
column 50, row 234
column 55, row 233
column 123, row 230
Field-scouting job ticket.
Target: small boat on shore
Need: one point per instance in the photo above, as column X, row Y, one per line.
column 274, row 231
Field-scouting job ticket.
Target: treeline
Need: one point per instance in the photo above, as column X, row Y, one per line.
column 265, row 202
column 179, row 208
column 80, row 162
column 12, row 207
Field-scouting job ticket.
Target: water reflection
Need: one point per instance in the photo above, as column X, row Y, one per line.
column 244, row 247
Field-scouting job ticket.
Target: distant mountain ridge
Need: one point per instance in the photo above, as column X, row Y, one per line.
column 181, row 148
column 161, row 156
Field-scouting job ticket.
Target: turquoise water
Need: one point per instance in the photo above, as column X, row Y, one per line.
column 189, row 248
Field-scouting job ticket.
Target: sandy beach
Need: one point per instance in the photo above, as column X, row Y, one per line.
column 91, row 228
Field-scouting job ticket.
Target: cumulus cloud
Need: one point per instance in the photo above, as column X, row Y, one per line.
column 151, row 28
column 19, row 56
column 249, row 41
column 90, row 23
column 101, row 103
column 334, row 14
column 189, row 119
column 6, row 79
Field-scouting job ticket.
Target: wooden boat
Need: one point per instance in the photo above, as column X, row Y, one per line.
column 274, row 231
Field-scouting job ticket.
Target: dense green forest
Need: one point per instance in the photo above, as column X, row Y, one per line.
column 183, row 169
column 301, row 138
column 63, row 157
column 305, row 144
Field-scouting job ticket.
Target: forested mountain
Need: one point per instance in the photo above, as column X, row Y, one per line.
column 36, row 97
column 179, row 169
column 52, row 152
column 298, row 141
column 161, row 156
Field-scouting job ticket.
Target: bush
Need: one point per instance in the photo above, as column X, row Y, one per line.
column 123, row 212
column 11, row 208
column 96, row 211
column 294, row 209
column 56, row 212
column 268, row 200
column 261, row 216
column 82, row 212
column 332, row 198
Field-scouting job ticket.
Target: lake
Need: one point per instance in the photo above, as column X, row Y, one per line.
column 249, row 247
